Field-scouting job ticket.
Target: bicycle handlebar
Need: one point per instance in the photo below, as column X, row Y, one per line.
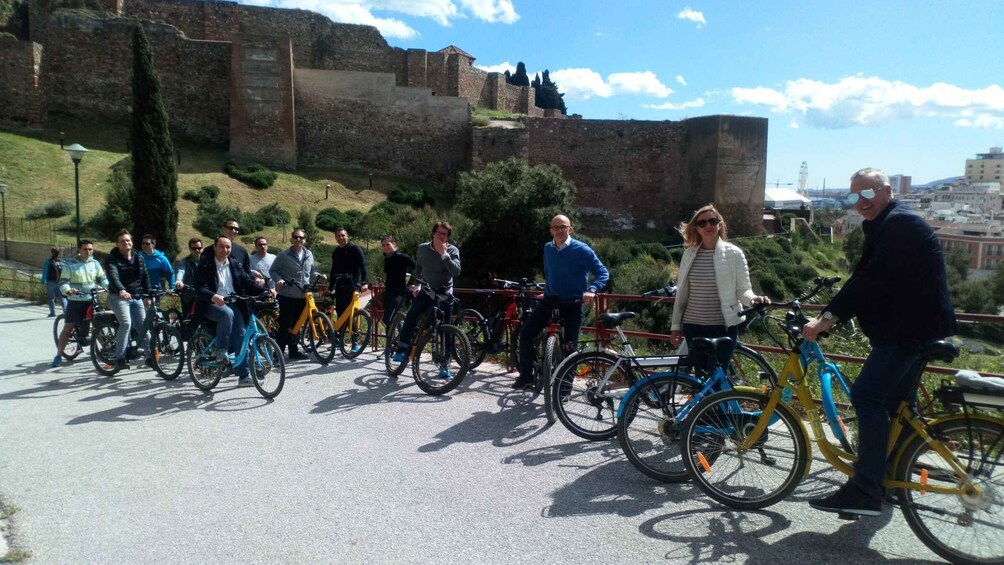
column 667, row 291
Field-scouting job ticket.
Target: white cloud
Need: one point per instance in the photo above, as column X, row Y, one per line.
column 499, row 68
column 696, row 103
column 692, row 15
column 793, row 124
column 492, row 11
column 586, row 83
column 859, row 100
column 681, row 80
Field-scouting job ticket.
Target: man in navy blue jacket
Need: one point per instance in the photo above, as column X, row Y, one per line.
column 567, row 266
column 899, row 293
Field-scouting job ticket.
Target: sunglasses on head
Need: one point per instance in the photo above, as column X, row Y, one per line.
column 704, row 223
column 867, row 194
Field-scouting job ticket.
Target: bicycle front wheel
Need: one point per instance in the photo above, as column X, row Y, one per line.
column 440, row 359
column 203, row 368
column 966, row 528
column 473, row 324
column 584, row 399
column 168, row 351
column 756, row 477
column 552, row 359
column 354, row 336
column 103, row 345
column 749, row 368
column 648, row 428
column 267, row 367
column 321, row 337
column 73, row 347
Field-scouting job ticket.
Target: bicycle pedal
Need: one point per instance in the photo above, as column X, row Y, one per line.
column 848, row 516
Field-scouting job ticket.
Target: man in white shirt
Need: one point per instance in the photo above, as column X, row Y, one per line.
column 261, row 259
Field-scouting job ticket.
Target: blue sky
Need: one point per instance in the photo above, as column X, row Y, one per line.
column 912, row 87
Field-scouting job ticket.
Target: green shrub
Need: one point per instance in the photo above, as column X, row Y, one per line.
column 254, row 175
column 413, row 198
column 55, row 209
column 480, row 121
column 207, row 192
column 117, row 210
column 274, row 215
column 330, row 219
column 210, row 214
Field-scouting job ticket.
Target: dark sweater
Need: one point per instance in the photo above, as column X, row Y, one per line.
column 126, row 274
column 348, row 260
column 898, row 290
column 396, row 267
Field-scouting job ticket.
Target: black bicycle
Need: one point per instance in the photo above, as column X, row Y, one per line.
column 498, row 331
column 167, row 346
column 80, row 337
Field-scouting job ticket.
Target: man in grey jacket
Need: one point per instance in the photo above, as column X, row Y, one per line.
column 437, row 262
column 295, row 264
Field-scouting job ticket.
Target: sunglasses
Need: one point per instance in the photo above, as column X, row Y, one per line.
column 704, row 223
column 235, row 228
column 195, row 249
column 299, row 237
column 867, row 194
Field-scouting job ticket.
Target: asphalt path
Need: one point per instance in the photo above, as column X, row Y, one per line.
column 349, row 466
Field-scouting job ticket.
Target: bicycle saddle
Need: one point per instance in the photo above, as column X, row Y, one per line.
column 614, row 319
column 940, row 351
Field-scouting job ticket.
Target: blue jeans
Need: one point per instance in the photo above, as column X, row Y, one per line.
column 887, row 378
column 419, row 306
column 230, row 328
column 700, row 361
column 130, row 314
column 52, row 293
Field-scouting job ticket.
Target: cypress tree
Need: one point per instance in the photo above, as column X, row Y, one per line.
column 520, row 78
column 154, row 176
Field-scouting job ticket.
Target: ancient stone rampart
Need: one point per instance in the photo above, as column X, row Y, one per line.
column 262, row 122
column 21, row 94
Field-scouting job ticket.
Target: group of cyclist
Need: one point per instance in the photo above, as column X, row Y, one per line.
column 898, row 291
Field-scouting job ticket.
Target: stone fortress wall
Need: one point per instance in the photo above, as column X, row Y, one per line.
column 291, row 87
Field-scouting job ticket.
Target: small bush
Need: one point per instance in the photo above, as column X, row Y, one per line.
column 209, row 217
column 56, row 209
column 205, row 193
column 274, row 215
column 413, row 198
column 480, row 121
column 330, row 219
column 254, row 175
column 117, row 210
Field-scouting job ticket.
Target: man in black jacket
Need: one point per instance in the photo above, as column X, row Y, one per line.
column 396, row 265
column 899, row 293
column 346, row 259
column 217, row 278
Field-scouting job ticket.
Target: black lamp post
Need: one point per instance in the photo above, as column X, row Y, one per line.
column 76, row 154
column 3, row 198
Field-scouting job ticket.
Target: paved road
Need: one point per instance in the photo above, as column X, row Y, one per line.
column 348, row 466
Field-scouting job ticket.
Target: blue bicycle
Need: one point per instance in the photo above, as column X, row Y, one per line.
column 264, row 358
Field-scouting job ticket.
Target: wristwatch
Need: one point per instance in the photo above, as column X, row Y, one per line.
column 828, row 316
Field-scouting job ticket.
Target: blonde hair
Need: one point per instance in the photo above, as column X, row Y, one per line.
column 689, row 229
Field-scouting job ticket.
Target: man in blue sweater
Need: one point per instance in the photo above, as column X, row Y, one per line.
column 567, row 266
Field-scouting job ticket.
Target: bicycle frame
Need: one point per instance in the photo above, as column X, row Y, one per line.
column 251, row 334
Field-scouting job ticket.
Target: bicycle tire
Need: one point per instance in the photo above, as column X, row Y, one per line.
column 961, row 529
column 749, row 368
column 394, row 368
column 267, row 366
column 354, row 336
column 73, row 347
column 835, row 396
column 552, row 359
column 103, row 340
column 579, row 404
column 715, row 428
column 168, row 349
column 202, row 364
column 474, row 326
column 440, row 360
column 321, row 337
column 650, row 422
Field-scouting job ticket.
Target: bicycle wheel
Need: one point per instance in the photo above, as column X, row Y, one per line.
column 746, row 479
column 749, row 368
column 73, row 347
column 202, row 365
column 474, row 326
column 648, row 429
column 168, row 350
column 103, row 333
column 394, row 368
column 354, row 336
column 581, row 401
column 960, row 528
column 269, row 322
column 321, row 337
column 440, row 359
column 835, row 395
column 552, row 359
column 267, row 367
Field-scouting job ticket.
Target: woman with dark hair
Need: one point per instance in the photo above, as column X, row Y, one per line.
column 127, row 277
column 50, row 279
column 712, row 286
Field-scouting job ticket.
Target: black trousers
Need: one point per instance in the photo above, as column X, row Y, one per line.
column 571, row 312
column 289, row 311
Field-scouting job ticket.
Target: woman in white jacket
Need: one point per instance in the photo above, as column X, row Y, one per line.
column 712, row 286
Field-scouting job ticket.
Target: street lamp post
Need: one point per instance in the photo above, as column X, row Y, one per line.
column 3, row 198
column 76, row 154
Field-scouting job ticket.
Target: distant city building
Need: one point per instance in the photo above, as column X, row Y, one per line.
column 901, row 184
column 986, row 166
column 977, row 198
column 984, row 242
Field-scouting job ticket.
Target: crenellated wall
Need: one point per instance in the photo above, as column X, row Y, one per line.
column 21, row 94
column 87, row 71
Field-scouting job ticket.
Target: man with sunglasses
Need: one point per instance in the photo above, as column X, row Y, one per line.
column 185, row 272
column 567, row 266
column 230, row 229
column 297, row 264
column 157, row 264
column 261, row 259
column 899, row 293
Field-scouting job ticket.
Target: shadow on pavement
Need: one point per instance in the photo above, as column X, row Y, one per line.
column 517, row 420
column 376, row 387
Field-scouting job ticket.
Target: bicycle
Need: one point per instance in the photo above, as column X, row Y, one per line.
column 80, row 336
column 265, row 361
column 354, row 321
column 440, row 353
column 167, row 346
column 587, row 386
column 313, row 328
column 947, row 476
column 499, row 330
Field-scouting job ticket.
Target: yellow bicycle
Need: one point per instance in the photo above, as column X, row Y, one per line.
column 314, row 328
column 354, row 327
